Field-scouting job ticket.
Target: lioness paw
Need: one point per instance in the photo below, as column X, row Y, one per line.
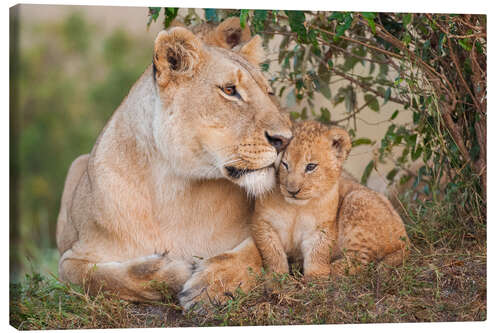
column 214, row 281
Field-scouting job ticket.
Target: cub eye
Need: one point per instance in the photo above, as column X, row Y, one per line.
column 230, row 90
column 284, row 164
column 271, row 93
column 310, row 167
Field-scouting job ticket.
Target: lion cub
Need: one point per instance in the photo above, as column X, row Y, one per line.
column 319, row 215
column 298, row 218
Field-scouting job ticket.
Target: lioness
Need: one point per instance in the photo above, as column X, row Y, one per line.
column 172, row 175
column 305, row 215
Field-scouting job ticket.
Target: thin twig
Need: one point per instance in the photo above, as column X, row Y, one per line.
column 352, row 54
column 389, row 53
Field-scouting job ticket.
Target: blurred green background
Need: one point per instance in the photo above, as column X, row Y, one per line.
column 69, row 74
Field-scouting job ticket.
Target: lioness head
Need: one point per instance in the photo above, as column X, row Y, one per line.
column 215, row 117
column 312, row 162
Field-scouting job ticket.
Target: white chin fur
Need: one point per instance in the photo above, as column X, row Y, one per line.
column 258, row 182
column 296, row 201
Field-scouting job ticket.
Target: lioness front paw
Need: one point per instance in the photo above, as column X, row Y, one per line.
column 214, row 281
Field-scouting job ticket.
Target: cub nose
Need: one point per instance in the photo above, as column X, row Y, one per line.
column 278, row 141
column 293, row 193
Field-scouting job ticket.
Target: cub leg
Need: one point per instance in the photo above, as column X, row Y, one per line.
column 270, row 247
column 130, row 279
column 215, row 277
column 317, row 251
column 351, row 263
column 395, row 258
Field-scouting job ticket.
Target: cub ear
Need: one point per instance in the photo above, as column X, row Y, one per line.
column 341, row 142
column 229, row 33
column 177, row 53
column 253, row 51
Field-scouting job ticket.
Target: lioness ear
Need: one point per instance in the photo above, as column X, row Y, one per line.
column 253, row 51
column 177, row 53
column 341, row 142
column 230, row 34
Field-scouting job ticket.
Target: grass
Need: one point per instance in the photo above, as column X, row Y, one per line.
column 444, row 279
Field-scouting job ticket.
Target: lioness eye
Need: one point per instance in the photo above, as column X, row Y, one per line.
column 284, row 164
column 310, row 167
column 230, row 91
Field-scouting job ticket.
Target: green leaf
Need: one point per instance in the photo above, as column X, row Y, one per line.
column 361, row 141
column 390, row 130
column 398, row 80
column 296, row 18
column 303, row 115
column 372, row 102
column 416, row 117
column 259, row 17
column 387, row 94
column 404, row 179
column 282, row 89
column 170, row 14
column 426, row 189
column 325, row 116
column 243, row 17
column 211, row 15
column 294, row 115
column 407, row 38
column 154, row 12
column 367, row 172
column 479, row 47
column 341, row 28
column 427, row 154
column 465, row 44
column 321, row 82
column 390, row 176
column 411, row 140
column 336, row 16
column 406, row 19
column 415, row 154
column 442, row 40
column 395, row 114
column 324, row 89
column 421, row 172
column 369, row 17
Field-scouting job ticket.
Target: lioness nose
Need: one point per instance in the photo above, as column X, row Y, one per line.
column 278, row 141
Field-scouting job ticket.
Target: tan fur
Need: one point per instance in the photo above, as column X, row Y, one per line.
column 330, row 216
column 303, row 225
column 227, row 34
column 156, row 193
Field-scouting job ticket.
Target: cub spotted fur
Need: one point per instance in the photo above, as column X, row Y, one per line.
column 318, row 214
